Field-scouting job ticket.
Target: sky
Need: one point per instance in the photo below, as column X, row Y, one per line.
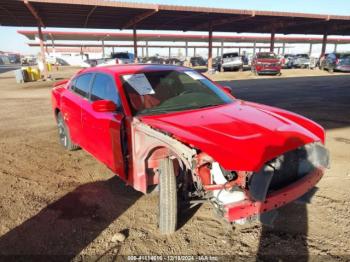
column 11, row 41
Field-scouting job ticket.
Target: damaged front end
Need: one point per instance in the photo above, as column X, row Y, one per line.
column 236, row 195
column 280, row 181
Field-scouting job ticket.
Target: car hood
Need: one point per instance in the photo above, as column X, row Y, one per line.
column 240, row 136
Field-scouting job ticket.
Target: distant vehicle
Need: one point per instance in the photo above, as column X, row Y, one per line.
column 14, row 58
column 232, row 61
column 217, row 63
column 197, row 61
column 321, row 60
column 154, row 60
column 301, row 61
column 337, row 62
column 173, row 61
column 123, row 57
column 286, row 60
column 120, row 58
column 266, row 63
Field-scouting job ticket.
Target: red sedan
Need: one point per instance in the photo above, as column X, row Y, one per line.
column 266, row 63
column 173, row 127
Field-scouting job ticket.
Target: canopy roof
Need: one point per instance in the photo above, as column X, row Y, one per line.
column 122, row 15
column 98, row 36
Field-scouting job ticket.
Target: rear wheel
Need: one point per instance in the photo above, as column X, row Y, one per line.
column 167, row 197
column 63, row 134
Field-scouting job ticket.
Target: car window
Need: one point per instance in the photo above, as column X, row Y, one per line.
column 266, row 56
column 82, row 85
column 103, row 88
column 171, row 91
column 230, row 55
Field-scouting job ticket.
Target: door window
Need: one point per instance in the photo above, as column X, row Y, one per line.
column 103, row 88
column 82, row 85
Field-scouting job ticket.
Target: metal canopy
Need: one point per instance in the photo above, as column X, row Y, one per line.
column 120, row 15
column 99, row 36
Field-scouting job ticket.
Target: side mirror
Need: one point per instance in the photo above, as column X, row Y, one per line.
column 104, row 106
column 226, row 89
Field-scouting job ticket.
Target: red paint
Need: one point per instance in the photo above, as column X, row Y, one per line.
column 266, row 65
column 240, row 136
column 248, row 208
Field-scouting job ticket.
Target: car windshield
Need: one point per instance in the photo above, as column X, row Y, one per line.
column 343, row 56
column 230, row 55
column 168, row 91
column 266, row 55
column 302, row 56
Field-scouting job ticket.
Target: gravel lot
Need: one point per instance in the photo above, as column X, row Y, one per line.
column 54, row 202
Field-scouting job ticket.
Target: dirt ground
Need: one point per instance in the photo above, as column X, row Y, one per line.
column 54, row 202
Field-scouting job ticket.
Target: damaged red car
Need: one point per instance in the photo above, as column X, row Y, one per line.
column 173, row 129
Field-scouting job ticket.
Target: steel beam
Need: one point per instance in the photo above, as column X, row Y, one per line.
column 324, row 44
column 42, row 52
column 210, row 49
column 135, row 43
column 272, row 42
column 137, row 19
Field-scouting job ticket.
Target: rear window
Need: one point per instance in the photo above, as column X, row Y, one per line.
column 121, row 55
column 230, row 55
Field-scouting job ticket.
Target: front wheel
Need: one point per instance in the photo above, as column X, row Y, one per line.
column 167, row 197
column 63, row 134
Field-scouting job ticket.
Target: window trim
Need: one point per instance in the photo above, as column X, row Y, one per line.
column 119, row 106
column 76, row 79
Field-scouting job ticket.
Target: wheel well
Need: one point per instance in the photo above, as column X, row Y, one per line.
column 153, row 163
column 56, row 112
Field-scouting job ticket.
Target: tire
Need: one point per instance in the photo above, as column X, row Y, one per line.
column 63, row 134
column 167, row 197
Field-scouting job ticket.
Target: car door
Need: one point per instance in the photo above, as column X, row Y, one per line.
column 103, row 129
column 71, row 102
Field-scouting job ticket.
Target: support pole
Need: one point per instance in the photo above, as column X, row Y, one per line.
column 53, row 46
column 112, row 49
column 272, row 42
column 324, row 44
column 217, row 51
column 169, row 52
column 283, row 48
column 210, row 49
column 310, row 49
column 42, row 52
column 194, row 51
column 222, row 49
column 135, row 44
column 147, row 48
column 239, row 51
column 335, row 48
column 186, row 49
column 143, row 52
column 103, row 48
column 254, row 49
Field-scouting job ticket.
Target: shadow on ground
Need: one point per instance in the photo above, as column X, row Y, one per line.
column 69, row 224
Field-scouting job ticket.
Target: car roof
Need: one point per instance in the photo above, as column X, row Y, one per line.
column 132, row 68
